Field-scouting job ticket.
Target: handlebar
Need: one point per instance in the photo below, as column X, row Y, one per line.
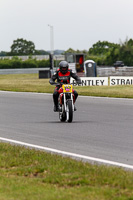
column 58, row 84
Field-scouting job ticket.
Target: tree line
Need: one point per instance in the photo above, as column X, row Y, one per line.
column 107, row 53
column 21, row 47
column 18, row 63
column 102, row 52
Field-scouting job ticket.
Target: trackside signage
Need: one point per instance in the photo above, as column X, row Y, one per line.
column 121, row 80
column 91, row 81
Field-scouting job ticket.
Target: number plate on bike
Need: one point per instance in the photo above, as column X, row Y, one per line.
column 67, row 88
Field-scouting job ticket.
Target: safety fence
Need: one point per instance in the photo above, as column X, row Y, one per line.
column 114, row 71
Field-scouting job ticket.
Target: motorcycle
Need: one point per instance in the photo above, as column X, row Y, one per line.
column 66, row 103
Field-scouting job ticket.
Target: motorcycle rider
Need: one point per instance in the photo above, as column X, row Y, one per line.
column 63, row 75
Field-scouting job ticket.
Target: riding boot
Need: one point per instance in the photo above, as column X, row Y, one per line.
column 55, row 99
column 76, row 96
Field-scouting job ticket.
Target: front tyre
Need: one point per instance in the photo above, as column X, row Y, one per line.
column 62, row 115
column 69, row 111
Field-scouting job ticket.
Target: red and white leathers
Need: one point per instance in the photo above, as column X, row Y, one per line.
column 63, row 78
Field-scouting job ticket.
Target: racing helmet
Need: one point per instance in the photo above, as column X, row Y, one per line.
column 63, row 66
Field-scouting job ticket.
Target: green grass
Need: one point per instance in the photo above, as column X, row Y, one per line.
column 31, row 83
column 25, row 83
column 27, row 174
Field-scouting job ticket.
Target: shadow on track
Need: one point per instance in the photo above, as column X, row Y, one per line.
column 58, row 122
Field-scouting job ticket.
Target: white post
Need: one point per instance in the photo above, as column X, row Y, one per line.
column 51, row 38
column 52, row 43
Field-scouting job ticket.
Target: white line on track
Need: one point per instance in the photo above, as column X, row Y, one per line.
column 27, row 93
column 73, row 155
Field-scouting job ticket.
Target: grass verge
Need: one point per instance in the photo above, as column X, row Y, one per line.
column 32, row 174
column 31, row 83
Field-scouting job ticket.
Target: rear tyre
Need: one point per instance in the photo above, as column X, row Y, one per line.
column 69, row 111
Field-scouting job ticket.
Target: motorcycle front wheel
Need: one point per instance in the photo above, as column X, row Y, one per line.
column 69, row 111
column 62, row 116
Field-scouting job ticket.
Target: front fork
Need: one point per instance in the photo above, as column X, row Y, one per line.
column 64, row 104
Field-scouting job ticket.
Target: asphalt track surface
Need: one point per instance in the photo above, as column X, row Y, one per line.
column 102, row 127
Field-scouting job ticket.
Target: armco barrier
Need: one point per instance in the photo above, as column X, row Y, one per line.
column 101, row 71
column 112, row 71
column 22, row 71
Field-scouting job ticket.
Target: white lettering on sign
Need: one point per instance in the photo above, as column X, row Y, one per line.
column 91, row 81
column 119, row 80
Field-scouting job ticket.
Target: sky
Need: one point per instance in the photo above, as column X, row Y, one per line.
column 77, row 24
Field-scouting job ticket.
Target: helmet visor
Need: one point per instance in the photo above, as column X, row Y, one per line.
column 64, row 68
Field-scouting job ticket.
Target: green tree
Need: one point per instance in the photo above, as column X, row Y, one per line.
column 41, row 52
column 70, row 50
column 126, row 52
column 123, row 52
column 112, row 56
column 22, row 47
column 102, row 48
column 3, row 53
